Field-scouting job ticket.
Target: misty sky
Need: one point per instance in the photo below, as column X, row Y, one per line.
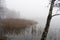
column 32, row 9
column 29, row 8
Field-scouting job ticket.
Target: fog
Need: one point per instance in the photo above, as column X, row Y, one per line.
column 36, row 10
column 33, row 9
column 29, row 9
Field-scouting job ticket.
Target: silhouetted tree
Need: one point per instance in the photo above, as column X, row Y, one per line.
column 45, row 32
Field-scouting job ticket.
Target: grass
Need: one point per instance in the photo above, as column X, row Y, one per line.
column 16, row 25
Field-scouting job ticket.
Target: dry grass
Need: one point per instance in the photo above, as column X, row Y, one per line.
column 3, row 38
column 15, row 24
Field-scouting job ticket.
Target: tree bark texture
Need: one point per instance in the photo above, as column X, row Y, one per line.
column 45, row 32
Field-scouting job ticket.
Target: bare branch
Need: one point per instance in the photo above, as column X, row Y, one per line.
column 55, row 15
column 46, row 29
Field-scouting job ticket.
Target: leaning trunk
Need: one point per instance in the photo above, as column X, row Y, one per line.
column 45, row 32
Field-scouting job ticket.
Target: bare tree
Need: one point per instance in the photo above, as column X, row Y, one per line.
column 45, row 32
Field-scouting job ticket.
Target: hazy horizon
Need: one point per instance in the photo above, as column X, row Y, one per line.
column 36, row 10
column 33, row 9
column 29, row 9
